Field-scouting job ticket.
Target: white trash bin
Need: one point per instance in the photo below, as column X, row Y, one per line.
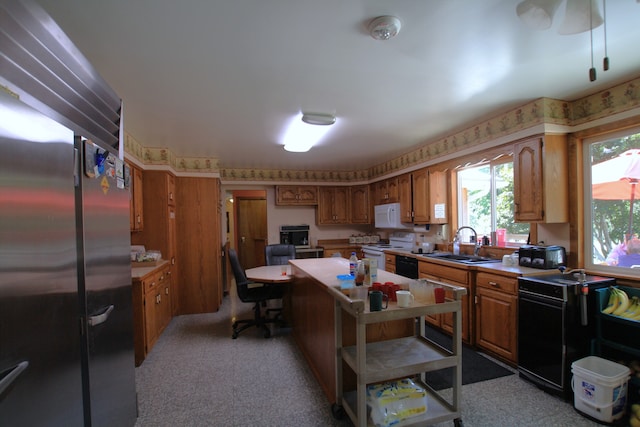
column 600, row 388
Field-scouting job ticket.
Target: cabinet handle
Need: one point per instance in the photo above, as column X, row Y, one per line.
column 493, row 283
column 166, row 291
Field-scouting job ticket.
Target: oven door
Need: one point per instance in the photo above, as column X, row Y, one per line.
column 407, row 266
column 541, row 340
column 378, row 255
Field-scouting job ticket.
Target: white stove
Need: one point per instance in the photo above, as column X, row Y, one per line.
column 397, row 240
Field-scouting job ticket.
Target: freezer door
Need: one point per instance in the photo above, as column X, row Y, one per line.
column 40, row 368
column 103, row 215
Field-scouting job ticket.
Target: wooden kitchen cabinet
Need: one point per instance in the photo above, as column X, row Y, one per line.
column 287, row 195
column 455, row 277
column 199, row 211
column 496, row 305
column 160, row 221
column 136, row 203
column 389, row 263
column 420, row 196
column 404, row 198
column 151, row 294
column 437, row 205
column 540, row 167
column 334, row 205
column 387, row 191
column 360, row 207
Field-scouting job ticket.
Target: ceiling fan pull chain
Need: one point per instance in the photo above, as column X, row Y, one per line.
column 605, row 61
column 592, row 70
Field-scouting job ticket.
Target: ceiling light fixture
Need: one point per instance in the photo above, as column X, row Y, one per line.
column 318, row 119
column 580, row 15
column 384, row 27
column 305, row 130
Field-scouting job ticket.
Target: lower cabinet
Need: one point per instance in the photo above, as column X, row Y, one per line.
column 151, row 308
column 496, row 305
column 455, row 277
column 389, row 263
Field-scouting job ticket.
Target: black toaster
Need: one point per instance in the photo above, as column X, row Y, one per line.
column 542, row 257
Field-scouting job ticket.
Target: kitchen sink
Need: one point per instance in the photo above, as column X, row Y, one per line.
column 462, row 259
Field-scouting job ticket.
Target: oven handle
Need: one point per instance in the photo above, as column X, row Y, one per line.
column 540, row 299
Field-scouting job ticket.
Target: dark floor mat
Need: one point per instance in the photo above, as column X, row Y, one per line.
column 475, row 367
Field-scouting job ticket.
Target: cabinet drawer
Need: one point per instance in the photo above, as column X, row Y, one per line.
column 496, row 282
column 460, row 275
column 155, row 281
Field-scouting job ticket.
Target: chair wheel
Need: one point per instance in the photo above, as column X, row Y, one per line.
column 337, row 411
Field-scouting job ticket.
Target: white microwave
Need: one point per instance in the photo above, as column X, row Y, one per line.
column 388, row 216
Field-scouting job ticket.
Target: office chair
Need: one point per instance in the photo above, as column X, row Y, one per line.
column 257, row 293
column 279, row 254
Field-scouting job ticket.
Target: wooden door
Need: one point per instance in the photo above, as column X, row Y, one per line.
column 251, row 224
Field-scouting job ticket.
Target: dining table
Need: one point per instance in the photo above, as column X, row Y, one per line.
column 269, row 274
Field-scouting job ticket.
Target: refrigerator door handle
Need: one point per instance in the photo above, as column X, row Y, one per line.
column 100, row 318
column 10, row 375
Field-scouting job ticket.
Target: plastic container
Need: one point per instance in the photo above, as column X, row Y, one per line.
column 600, row 388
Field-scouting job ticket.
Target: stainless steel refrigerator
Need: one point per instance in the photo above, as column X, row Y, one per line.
column 66, row 332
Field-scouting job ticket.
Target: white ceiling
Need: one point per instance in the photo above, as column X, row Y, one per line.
column 222, row 78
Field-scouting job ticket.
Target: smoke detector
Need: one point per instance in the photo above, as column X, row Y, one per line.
column 384, row 27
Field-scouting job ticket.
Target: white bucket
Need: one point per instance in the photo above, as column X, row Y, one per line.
column 600, row 388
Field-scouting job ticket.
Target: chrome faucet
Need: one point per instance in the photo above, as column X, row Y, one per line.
column 477, row 243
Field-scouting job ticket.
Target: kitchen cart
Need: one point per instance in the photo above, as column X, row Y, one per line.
column 408, row 357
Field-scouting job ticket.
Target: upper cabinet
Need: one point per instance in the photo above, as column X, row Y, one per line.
column 296, row 195
column 386, row 191
column 360, row 208
column 136, row 218
column 541, row 179
column 437, row 197
column 333, row 205
column 404, row 197
column 420, row 196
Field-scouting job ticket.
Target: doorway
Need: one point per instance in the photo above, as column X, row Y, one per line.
column 250, row 219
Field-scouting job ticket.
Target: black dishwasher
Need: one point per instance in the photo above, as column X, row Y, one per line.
column 407, row 266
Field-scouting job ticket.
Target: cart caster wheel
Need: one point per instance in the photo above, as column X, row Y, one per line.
column 458, row 422
column 234, row 336
column 337, row 411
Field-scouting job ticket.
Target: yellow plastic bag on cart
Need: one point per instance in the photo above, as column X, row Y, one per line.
column 395, row 401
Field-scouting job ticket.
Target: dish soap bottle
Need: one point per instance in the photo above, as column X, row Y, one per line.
column 353, row 264
column 456, row 244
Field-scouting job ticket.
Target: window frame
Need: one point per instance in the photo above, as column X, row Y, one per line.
column 587, row 208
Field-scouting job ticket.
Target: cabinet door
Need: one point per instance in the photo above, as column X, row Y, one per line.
column 404, row 197
column 171, row 256
column 447, row 318
column 420, row 195
column 382, row 194
column 496, row 323
column 308, row 195
column 393, row 190
column 325, row 206
column 136, row 218
column 438, row 197
column 286, row 195
column 151, row 318
column 360, row 204
column 171, row 190
column 341, row 205
column 527, row 185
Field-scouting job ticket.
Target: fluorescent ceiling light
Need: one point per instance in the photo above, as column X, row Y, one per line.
column 300, row 136
column 318, row 119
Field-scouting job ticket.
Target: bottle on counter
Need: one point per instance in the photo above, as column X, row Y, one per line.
column 353, row 264
column 456, row 244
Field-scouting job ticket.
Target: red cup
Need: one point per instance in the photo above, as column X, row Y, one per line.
column 392, row 292
column 439, row 294
column 376, row 286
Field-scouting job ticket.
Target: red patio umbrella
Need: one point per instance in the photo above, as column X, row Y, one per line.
column 617, row 179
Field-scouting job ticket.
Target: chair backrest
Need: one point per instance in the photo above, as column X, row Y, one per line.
column 279, row 254
column 238, row 273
